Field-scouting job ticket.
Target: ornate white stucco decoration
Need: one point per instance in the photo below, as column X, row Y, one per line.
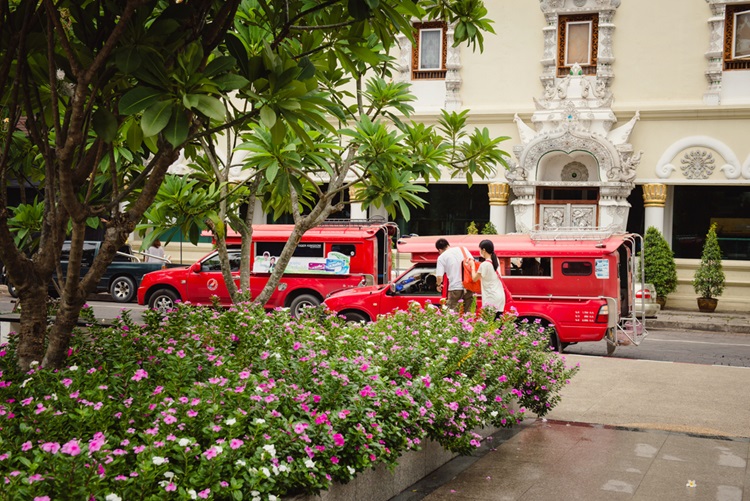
column 605, row 55
column 453, row 81
column 731, row 169
column 573, row 136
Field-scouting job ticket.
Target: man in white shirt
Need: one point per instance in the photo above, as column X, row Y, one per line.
column 450, row 267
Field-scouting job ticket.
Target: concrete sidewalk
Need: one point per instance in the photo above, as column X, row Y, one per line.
column 624, row 429
column 694, row 320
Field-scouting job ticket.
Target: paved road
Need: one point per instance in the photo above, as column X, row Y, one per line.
column 712, row 348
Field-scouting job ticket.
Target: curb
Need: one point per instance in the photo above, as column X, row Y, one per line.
column 734, row 328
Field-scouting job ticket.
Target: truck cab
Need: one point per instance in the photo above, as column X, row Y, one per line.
column 334, row 256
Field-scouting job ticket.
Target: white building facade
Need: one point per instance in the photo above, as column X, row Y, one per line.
column 623, row 114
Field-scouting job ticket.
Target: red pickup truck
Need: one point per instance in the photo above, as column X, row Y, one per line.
column 582, row 286
column 334, row 256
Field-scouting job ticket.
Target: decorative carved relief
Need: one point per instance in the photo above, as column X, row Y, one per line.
column 582, row 217
column 731, row 169
column 697, row 164
column 575, row 172
column 553, row 217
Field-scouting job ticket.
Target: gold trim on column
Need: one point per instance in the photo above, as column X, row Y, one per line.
column 355, row 192
column 654, row 195
column 498, row 193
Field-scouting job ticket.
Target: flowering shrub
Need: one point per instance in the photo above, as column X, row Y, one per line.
column 244, row 404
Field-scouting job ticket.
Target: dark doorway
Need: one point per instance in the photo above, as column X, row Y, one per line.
column 449, row 211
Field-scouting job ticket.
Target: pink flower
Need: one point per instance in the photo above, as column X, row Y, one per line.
column 204, row 494
column 210, row 453
column 338, row 439
column 26, row 446
column 72, row 448
column 235, row 443
column 169, row 419
column 334, row 460
column 35, row 478
column 42, row 498
column 67, row 382
column 170, row 487
column 192, row 413
column 139, row 374
column 51, row 447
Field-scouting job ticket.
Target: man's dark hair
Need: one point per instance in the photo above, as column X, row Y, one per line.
column 441, row 244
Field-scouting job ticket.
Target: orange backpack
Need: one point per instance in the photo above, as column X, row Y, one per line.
column 468, row 283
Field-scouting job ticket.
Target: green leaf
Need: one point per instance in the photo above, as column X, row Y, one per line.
column 134, row 136
column 138, row 100
column 211, row 107
column 128, row 59
column 219, row 65
column 358, row 9
column 177, row 129
column 156, row 117
column 278, row 132
column 230, row 82
column 268, row 116
column 105, row 125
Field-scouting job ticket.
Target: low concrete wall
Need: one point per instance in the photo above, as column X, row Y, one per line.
column 381, row 484
column 736, row 296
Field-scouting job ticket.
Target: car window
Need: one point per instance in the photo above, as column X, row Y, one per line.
column 212, row 263
column 420, row 280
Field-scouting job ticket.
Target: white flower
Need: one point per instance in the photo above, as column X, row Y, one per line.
column 275, row 469
column 158, row 460
column 240, row 462
column 60, row 74
column 270, row 449
column 33, row 364
column 192, row 494
column 184, row 442
column 351, row 470
column 168, row 474
column 255, row 493
column 493, row 413
column 283, row 468
column 271, row 497
column 219, row 449
column 691, row 483
column 309, row 463
column 73, row 368
column 230, row 421
column 265, row 472
column 112, row 497
column 23, row 385
column 255, row 498
column 54, row 396
column 259, row 421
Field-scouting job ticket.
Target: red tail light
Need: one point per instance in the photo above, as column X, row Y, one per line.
column 645, row 293
column 603, row 315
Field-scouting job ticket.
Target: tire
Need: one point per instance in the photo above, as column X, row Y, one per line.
column 122, row 289
column 163, row 300
column 12, row 290
column 554, row 341
column 355, row 317
column 303, row 301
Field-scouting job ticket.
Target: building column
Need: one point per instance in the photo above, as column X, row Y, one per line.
column 654, row 199
column 355, row 208
column 499, row 205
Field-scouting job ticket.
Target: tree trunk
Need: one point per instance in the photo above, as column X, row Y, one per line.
column 33, row 325
column 59, row 335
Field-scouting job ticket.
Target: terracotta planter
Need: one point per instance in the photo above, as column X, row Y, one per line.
column 707, row 304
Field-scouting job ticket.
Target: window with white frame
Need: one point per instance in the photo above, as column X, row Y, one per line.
column 429, row 51
column 737, row 37
column 577, row 43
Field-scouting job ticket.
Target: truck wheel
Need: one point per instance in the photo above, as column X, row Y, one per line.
column 122, row 289
column 303, row 301
column 355, row 317
column 162, row 300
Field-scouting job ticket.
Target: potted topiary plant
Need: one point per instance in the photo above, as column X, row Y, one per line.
column 472, row 229
column 489, row 229
column 659, row 266
column 708, row 280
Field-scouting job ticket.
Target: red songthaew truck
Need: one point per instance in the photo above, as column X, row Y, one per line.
column 336, row 255
column 580, row 283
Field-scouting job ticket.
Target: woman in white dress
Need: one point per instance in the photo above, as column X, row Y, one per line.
column 493, row 294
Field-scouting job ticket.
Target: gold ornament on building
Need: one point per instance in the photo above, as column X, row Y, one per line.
column 654, row 195
column 498, row 193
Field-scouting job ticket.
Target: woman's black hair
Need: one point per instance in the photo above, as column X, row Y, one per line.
column 489, row 247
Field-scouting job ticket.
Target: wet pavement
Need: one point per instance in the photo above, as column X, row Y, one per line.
column 624, row 429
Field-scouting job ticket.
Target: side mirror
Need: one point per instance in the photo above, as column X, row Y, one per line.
column 393, row 287
column 195, row 267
